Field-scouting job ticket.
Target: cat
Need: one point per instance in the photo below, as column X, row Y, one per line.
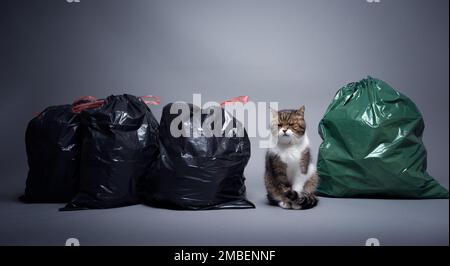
column 290, row 175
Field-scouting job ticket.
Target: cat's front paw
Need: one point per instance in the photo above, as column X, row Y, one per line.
column 291, row 195
column 296, row 206
column 305, row 201
column 284, row 205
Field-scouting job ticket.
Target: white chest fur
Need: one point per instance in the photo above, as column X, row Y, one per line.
column 291, row 155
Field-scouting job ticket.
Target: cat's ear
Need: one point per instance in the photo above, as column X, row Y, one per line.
column 301, row 111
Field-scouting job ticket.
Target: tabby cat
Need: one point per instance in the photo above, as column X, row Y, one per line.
column 290, row 175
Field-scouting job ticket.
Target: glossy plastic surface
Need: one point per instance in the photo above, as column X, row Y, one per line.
column 120, row 143
column 200, row 173
column 53, row 149
column 372, row 145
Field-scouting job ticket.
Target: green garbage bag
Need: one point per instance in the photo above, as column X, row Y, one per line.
column 372, row 145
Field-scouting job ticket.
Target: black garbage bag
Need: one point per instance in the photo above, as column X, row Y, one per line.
column 53, row 149
column 196, row 172
column 120, row 143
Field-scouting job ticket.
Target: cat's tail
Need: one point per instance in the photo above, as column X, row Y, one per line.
column 307, row 201
column 303, row 200
column 272, row 200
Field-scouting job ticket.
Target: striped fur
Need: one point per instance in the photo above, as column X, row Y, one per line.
column 290, row 175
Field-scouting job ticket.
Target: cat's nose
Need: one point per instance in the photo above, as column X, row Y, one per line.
column 284, row 130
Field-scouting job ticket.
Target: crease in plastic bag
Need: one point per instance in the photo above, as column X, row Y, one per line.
column 53, row 149
column 372, row 145
column 120, row 145
column 200, row 173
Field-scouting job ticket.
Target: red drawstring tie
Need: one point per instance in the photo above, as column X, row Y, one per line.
column 151, row 100
column 78, row 108
column 86, row 102
column 239, row 99
column 89, row 102
column 84, row 99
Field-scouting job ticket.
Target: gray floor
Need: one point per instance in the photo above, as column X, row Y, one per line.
column 332, row 222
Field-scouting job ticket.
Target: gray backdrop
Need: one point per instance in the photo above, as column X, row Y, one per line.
column 291, row 51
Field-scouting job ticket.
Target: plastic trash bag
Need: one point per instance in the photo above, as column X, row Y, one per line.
column 120, row 143
column 53, row 143
column 197, row 172
column 53, row 149
column 372, row 145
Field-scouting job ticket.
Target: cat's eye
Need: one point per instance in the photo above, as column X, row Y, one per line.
column 280, row 125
